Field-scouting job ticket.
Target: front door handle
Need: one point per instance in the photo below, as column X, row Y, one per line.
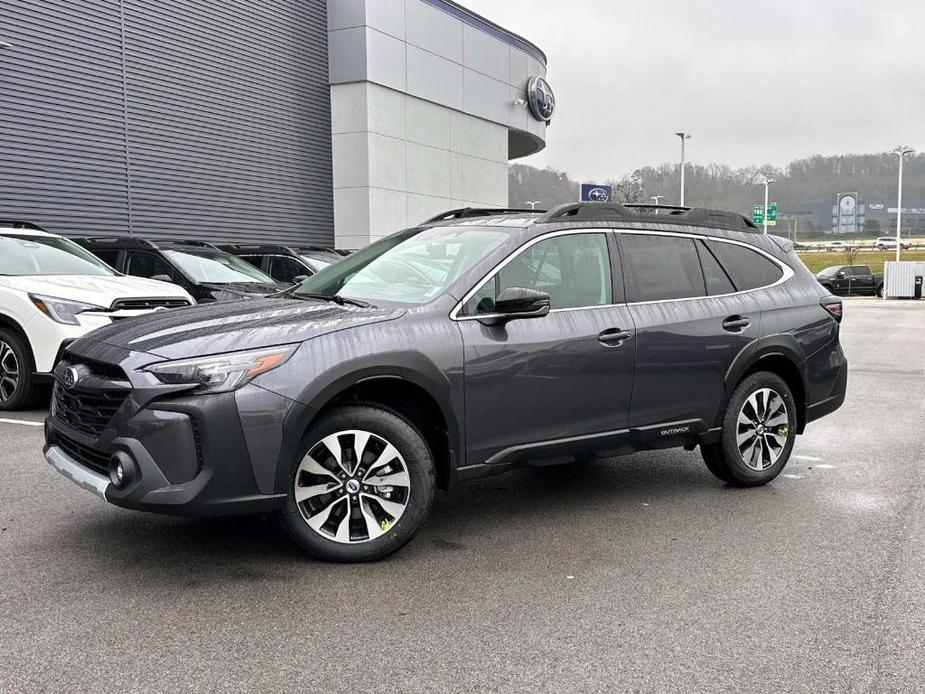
column 736, row 324
column 614, row 337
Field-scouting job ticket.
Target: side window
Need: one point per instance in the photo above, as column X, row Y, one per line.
column 660, row 268
column 859, row 270
column 108, row 257
column 717, row 280
column 285, row 269
column 573, row 269
column 143, row 264
column 748, row 269
column 254, row 260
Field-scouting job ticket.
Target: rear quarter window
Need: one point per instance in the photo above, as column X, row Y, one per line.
column 748, row 268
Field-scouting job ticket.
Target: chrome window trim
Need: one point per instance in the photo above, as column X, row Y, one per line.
column 786, row 270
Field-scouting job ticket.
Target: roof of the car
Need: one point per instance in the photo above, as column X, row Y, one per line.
column 10, row 231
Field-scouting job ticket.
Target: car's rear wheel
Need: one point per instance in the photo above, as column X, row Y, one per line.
column 758, row 432
column 17, row 382
column 361, row 486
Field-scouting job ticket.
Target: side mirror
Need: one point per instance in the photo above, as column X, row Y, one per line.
column 298, row 279
column 840, row 275
column 163, row 278
column 518, row 302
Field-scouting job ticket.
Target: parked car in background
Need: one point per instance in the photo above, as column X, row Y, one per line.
column 52, row 291
column 840, row 245
column 341, row 404
column 884, row 243
column 205, row 271
column 842, row 280
column 285, row 264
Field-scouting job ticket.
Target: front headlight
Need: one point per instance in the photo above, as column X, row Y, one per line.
column 62, row 310
column 221, row 373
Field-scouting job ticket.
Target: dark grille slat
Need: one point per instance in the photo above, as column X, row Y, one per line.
column 143, row 304
column 84, row 454
column 87, row 410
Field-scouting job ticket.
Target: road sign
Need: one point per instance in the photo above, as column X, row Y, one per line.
column 758, row 214
column 772, row 214
column 594, row 192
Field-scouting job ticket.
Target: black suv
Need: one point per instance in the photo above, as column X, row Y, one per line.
column 205, row 271
column 286, row 264
column 451, row 351
column 844, row 280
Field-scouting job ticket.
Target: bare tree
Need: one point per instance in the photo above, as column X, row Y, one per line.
column 851, row 253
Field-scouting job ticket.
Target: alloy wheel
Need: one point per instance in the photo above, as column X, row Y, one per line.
column 762, row 429
column 352, row 486
column 9, row 372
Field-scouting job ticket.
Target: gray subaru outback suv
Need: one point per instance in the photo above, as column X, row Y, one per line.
column 453, row 350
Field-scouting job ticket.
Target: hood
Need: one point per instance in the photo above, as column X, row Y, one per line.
column 231, row 291
column 98, row 290
column 238, row 325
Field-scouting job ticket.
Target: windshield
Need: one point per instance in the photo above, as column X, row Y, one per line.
column 411, row 267
column 830, row 271
column 47, row 255
column 218, row 267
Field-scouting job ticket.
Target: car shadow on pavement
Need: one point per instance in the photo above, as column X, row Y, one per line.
column 193, row 551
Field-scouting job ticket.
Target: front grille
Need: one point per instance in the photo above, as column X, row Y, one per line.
column 147, row 304
column 110, row 372
column 87, row 412
column 84, row 455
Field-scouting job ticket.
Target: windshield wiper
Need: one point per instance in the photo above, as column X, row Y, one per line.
column 339, row 300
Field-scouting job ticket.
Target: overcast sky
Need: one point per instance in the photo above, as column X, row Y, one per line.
column 754, row 82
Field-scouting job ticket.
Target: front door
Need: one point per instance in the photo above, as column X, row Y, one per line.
column 531, row 383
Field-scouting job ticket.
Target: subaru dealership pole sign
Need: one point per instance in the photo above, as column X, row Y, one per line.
column 846, row 213
column 595, row 192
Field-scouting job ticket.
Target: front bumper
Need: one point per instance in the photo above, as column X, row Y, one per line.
column 203, row 455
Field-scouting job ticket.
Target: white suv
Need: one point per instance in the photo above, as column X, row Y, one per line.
column 885, row 242
column 52, row 291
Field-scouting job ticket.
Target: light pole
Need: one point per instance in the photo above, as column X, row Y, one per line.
column 766, row 181
column 900, row 152
column 655, row 199
column 533, row 203
column 683, row 136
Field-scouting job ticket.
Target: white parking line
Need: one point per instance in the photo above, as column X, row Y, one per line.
column 20, row 421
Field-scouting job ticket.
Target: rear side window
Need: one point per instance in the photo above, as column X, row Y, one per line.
column 718, row 282
column 859, row 270
column 748, row 269
column 660, row 268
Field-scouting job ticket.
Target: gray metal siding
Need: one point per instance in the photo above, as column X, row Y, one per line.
column 220, row 129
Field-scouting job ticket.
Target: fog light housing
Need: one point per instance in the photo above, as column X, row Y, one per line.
column 122, row 469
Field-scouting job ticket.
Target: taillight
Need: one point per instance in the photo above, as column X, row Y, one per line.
column 833, row 306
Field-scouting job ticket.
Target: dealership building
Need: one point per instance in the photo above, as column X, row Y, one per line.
column 280, row 121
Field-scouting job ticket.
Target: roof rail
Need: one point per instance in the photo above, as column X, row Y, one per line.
column 186, row 242
column 469, row 212
column 19, row 224
column 616, row 212
column 123, row 240
column 260, row 248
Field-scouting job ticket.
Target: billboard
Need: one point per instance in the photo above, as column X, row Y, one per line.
column 846, row 217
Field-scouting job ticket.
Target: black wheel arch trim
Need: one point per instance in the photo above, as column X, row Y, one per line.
column 775, row 346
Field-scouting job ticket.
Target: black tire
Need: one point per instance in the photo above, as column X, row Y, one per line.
column 880, row 290
column 384, row 426
column 725, row 460
column 25, row 394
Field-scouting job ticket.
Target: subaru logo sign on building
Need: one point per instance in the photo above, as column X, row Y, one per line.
column 595, row 192
column 541, row 99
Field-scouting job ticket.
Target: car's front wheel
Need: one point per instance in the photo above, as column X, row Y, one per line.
column 361, row 487
column 17, row 383
column 758, row 432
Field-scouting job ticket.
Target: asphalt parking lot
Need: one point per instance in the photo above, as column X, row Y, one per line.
column 641, row 574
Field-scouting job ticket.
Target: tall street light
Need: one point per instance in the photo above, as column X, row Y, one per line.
column 683, row 136
column 533, row 203
column 900, row 152
column 766, row 181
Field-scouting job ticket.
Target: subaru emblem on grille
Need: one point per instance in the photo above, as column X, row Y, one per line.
column 69, row 377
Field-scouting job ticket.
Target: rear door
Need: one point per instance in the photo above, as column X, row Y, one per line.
column 561, row 379
column 862, row 279
column 691, row 324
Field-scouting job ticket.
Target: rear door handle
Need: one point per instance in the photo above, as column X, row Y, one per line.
column 614, row 337
column 735, row 324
